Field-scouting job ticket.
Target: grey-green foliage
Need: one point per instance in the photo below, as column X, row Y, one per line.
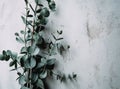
column 36, row 57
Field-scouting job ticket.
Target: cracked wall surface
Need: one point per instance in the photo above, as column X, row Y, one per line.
column 91, row 27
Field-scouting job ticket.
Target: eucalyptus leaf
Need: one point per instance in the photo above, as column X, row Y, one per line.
column 20, row 40
column 7, row 58
column 51, row 61
column 16, row 34
column 12, row 63
column 4, row 52
column 9, row 53
column 26, row 1
column 43, row 60
column 30, row 49
column 39, row 10
column 23, row 18
column 43, row 74
column 1, row 57
column 30, row 63
column 34, row 77
column 14, row 55
column 59, row 32
column 45, row 12
column 25, row 57
column 43, row 21
column 36, row 51
column 40, row 84
column 52, row 5
column 22, row 32
column 30, row 16
column 22, row 80
column 41, row 64
column 23, row 50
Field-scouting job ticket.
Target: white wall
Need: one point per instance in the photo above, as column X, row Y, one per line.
column 91, row 27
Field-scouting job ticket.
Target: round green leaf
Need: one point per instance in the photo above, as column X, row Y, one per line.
column 34, row 77
column 16, row 34
column 52, row 5
column 30, row 63
column 40, row 84
column 22, row 80
column 45, row 12
column 9, row 53
column 43, row 74
column 43, row 21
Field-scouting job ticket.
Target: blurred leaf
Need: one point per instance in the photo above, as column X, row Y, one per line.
column 36, row 1
column 7, row 58
column 59, row 39
column 45, row 12
column 52, row 5
column 59, row 32
column 19, row 73
column 4, row 52
column 49, row 1
column 1, row 57
column 39, row 10
column 24, row 20
column 12, row 63
column 22, row 32
column 20, row 40
column 14, row 55
column 26, row 1
column 9, row 53
column 30, row 16
column 51, row 61
column 41, row 5
column 16, row 34
column 43, row 21
column 54, row 37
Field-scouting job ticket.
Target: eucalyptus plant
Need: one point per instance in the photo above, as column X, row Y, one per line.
column 36, row 60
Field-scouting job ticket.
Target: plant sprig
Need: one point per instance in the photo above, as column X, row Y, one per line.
column 37, row 56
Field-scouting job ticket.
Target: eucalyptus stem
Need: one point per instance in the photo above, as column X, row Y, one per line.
column 25, row 40
column 30, row 71
column 26, row 27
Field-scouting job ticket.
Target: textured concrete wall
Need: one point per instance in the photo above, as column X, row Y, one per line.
column 91, row 27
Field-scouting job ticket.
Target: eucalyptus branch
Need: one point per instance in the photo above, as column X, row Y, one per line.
column 36, row 65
